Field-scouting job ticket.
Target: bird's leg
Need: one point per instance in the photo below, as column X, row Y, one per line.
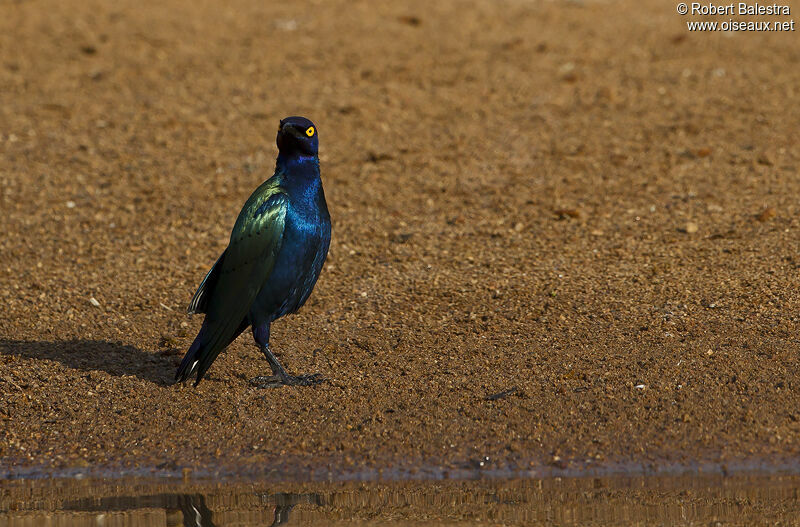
column 279, row 375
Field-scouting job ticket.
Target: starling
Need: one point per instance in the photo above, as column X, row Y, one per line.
column 274, row 257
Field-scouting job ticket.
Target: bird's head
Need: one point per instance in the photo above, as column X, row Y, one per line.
column 297, row 135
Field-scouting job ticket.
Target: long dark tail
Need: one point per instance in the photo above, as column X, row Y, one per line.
column 203, row 352
column 193, row 356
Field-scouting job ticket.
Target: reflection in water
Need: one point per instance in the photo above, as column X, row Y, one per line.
column 741, row 500
column 190, row 508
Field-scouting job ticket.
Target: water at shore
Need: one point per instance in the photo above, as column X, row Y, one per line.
column 662, row 500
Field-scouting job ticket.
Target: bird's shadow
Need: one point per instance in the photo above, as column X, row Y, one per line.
column 97, row 355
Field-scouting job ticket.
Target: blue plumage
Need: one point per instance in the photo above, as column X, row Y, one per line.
column 275, row 255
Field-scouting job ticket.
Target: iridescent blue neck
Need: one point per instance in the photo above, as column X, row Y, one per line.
column 300, row 175
column 297, row 160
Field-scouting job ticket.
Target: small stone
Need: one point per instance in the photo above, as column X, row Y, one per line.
column 70, row 204
column 691, row 228
column 567, row 213
column 411, row 20
column 567, row 72
column 766, row 214
column 94, row 302
column 287, row 24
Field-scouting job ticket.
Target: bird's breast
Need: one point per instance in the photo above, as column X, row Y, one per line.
column 298, row 264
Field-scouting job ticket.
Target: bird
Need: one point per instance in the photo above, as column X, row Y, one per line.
column 275, row 255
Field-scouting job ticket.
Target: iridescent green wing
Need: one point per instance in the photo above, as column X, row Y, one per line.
column 244, row 267
column 199, row 303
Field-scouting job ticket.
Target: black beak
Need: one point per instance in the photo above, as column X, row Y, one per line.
column 286, row 128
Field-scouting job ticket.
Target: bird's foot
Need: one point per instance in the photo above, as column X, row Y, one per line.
column 273, row 381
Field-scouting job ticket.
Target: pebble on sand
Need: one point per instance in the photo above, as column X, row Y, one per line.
column 690, row 228
column 766, row 214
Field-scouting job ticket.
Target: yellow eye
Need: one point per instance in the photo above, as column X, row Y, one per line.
column 310, row 131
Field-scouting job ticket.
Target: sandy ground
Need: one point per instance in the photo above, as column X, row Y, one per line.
column 580, row 204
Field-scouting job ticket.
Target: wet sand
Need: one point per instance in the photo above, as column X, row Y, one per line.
column 565, row 236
